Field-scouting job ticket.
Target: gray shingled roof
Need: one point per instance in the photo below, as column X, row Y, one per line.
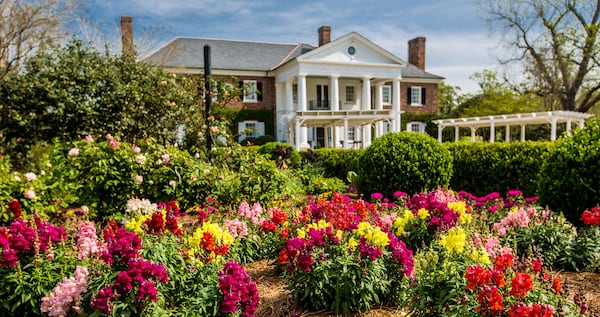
column 412, row 71
column 184, row 52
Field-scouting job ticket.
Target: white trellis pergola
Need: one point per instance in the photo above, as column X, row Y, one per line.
column 508, row 120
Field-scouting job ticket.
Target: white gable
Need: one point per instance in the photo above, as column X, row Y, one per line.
column 354, row 49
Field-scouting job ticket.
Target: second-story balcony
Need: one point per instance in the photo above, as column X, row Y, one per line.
column 319, row 105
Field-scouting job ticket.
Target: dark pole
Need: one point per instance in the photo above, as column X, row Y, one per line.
column 207, row 100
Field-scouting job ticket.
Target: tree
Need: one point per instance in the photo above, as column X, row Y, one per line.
column 26, row 26
column 74, row 90
column 496, row 97
column 449, row 98
column 557, row 40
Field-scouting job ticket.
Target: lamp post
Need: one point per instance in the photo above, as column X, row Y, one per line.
column 207, row 100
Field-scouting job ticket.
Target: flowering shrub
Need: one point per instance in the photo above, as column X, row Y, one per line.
column 591, row 217
column 238, row 290
column 343, row 265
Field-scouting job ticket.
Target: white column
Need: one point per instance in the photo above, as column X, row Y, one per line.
column 473, row 129
column 507, row 133
column 492, row 130
column 440, row 128
column 366, row 94
column 335, row 137
column 522, row 132
column 345, row 133
column 304, row 138
column 302, row 92
column 297, row 135
column 456, row 134
column 396, row 105
column 553, row 129
column 379, row 96
column 569, row 127
column 289, row 95
column 335, row 93
column 280, row 107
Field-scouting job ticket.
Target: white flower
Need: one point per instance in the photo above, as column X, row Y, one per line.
column 172, row 183
column 74, row 152
column 29, row 194
column 141, row 206
column 85, row 209
column 139, row 179
column 140, row 159
column 17, row 178
column 30, row 177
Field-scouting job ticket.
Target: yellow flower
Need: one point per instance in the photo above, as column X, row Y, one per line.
column 352, row 243
column 461, row 208
column 423, row 213
column 373, row 234
column 479, row 255
column 455, row 240
column 401, row 222
column 135, row 224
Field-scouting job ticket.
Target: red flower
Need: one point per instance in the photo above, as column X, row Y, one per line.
column 504, row 261
column 536, row 265
column 268, row 226
column 155, row 225
column 591, row 217
column 521, row 284
column 15, row 207
column 519, row 311
column 477, row 276
column 556, row 285
column 278, row 217
column 490, row 301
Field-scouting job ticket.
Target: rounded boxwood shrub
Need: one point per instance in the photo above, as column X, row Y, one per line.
column 406, row 161
column 283, row 154
column 569, row 181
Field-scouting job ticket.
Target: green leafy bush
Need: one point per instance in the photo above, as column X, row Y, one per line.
column 337, row 162
column 482, row 167
column 284, row 155
column 406, row 161
column 569, row 178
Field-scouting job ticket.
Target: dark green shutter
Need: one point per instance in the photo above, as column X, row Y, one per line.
column 259, row 90
column 423, row 94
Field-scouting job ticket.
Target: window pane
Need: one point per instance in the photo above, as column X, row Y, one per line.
column 250, row 91
column 349, row 93
column 386, row 94
column 415, row 96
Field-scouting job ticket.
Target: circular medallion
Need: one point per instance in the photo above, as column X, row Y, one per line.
column 351, row 50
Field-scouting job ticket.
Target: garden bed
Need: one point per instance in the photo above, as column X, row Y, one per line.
column 277, row 301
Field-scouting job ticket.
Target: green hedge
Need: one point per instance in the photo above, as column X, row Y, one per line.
column 569, row 180
column 482, row 167
column 337, row 162
column 406, row 161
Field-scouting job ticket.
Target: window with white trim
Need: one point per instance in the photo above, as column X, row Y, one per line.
column 416, row 126
column 295, row 93
column 386, row 94
column 350, row 98
column 415, row 96
column 352, row 133
column 250, row 88
column 250, row 129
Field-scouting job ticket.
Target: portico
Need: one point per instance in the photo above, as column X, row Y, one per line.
column 334, row 96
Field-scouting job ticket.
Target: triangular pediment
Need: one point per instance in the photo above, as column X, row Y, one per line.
column 352, row 48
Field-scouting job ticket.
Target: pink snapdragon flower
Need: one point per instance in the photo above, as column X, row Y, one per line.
column 236, row 227
column 87, row 242
column 66, row 295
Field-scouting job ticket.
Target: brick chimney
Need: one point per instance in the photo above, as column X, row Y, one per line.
column 324, row 35
column 416, row 52
column 127, row 35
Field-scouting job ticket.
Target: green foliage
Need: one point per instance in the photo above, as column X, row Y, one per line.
column 496, row 97
column 284, row 155
column 406, row 161
column 569, row 178
column 482, row 167
column 237, row 115
column 337, row 162
column 75, row 90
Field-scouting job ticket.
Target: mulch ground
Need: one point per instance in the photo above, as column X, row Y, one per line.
column 277, row 301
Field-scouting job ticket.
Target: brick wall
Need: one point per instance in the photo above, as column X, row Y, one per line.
column 431, row 98
column 267, row 94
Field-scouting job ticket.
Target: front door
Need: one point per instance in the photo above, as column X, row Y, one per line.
column 322, row 97
column 320, row 138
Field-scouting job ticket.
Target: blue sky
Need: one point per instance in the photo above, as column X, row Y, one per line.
column 458, row 42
